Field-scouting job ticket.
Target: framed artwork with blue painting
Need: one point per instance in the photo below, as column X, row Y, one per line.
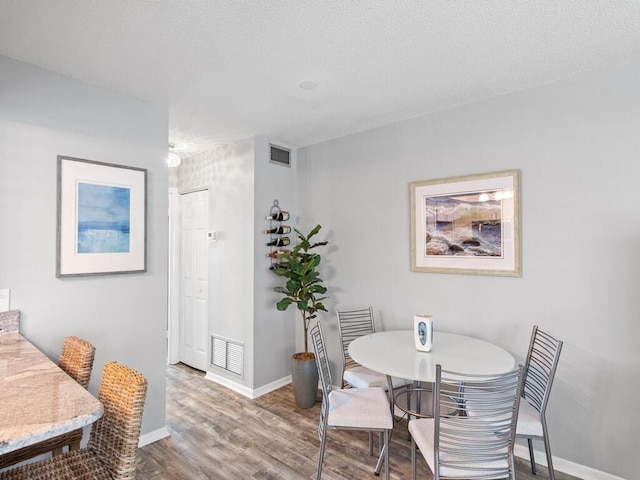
column 468, row 225
column 101, row 218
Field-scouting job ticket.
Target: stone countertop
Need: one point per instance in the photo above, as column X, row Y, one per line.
column 38, row 400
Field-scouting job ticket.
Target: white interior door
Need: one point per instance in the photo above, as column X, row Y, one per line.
column 194, row 213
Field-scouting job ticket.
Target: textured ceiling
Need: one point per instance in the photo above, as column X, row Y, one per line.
column 229, row 69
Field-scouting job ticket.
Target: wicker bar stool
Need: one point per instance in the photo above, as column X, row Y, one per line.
column 9, row 322
column 113, row 443
column 77, row 360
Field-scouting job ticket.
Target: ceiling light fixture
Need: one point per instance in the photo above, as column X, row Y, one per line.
column 173, row 159
column 308, row 85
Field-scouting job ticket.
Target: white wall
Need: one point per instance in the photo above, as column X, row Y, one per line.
column 43, row 115
column 576, row 144
column 228, row 173
column 274, row 331
column 243, row 185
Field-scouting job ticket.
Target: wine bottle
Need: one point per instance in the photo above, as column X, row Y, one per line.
column 279, row 242
column 279, row 216
column 277, row 253
column 279, row 230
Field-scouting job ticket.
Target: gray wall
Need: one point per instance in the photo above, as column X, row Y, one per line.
column 242, row 185
column 274, row 331
column 576, row 144
column 43, row 115
column 228, row 173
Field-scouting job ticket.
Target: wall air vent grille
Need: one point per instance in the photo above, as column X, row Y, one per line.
column 280, row 156
column 227, row 354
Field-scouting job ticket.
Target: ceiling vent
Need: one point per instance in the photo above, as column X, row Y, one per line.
column 280, row 156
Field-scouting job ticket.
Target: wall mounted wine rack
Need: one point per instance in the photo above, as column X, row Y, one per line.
column 278, row 233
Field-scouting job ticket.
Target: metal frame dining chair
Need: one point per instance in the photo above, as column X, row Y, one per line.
column 539, row 371
column 113, row 442
column 364, row 409
column 353, row 324
column 457, row 446
column 77, row 361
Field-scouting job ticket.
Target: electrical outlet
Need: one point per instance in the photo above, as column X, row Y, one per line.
column 5, row 299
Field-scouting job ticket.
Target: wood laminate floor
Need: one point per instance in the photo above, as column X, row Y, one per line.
column 219, row 434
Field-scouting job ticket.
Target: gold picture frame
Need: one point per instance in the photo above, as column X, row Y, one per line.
column 467, row 225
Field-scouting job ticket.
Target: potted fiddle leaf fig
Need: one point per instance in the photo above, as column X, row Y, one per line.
column 305, row 290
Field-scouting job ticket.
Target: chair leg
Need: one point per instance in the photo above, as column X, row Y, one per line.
column 371, row 443
column 413, row 459
column 321, row 454
column 408, row 414
column 387, row 441
column 512, row 474
column 547, row 451
column 531, row 455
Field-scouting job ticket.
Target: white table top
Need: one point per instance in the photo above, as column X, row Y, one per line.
column 394, row 353
column 38, row 400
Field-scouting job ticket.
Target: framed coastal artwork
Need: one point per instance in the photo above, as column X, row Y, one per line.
column 467, row 225
column 101, row 218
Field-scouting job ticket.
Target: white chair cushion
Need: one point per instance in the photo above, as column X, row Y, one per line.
column 362, row 377
column 422, row 431
column 529, row 423
column 366, row 408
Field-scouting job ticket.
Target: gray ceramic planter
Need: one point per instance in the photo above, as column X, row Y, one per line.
column 304, row 375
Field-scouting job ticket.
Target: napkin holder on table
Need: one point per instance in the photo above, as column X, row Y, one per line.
column 423, row 332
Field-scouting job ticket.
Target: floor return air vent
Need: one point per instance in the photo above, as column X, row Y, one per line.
column 227, row 354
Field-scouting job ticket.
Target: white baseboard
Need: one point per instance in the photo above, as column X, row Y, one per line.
column 246, row 391
column 270, row 387
column 565, row 466
column 154, row 436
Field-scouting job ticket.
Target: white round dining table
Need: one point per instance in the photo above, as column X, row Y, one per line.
column 393, row 353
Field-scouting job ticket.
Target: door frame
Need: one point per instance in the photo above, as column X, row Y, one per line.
column 173, row 323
